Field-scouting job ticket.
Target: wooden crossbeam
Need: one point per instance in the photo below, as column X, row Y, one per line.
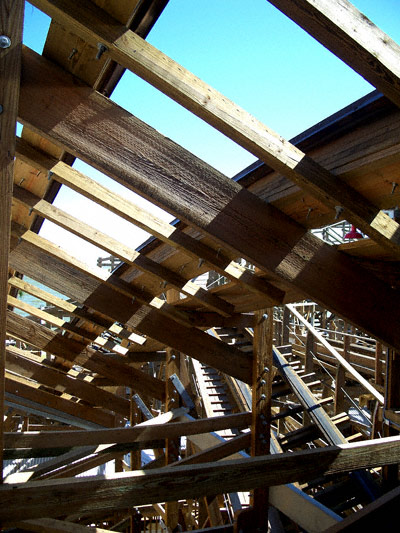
column 72, row 350
column 11, row 18
column 121, row 491
column 62, row 275
column 218, row 206
column 18, row 361
column 168, row 233
column 123, row 252
column 351, row 36
column 140, row 57
column 140, row 432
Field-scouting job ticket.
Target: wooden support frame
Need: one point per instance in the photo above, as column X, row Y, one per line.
column 11, row 19
column 58, row 497
column 152, row 65
column 216, row 205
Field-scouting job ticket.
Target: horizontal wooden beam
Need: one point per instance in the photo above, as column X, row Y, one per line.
column 125, row 148
column 59, row 497
column 351, row 36
column 138, row 433
column 132, row 52
column 50, row 525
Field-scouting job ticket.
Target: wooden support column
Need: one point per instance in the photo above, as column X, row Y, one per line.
column 172, row 366
column 341, row 376
column 261, row 408
column 392, row 401
column 285, row 326
column 378, row 364
column 310, row 350
column 11, row 18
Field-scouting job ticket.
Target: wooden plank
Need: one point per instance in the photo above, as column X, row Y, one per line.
column 218, row 259
column 117, row 249
column 342, row 360
column 140, row 432
column 71, row 350
column 11, row 18
column 60, row 381
column 120, row 491
column 215, row 204
column 120, row 307
column 155, row 67
column 351, row 36
column 16, row 386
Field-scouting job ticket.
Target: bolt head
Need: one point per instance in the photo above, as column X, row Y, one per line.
column 5, row 42
column 263, row 382
column 1, row 109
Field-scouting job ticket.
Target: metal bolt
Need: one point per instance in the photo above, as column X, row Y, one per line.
column 5, row 42
column 201, row 261
column 172, row 400
column 49, row 175
column 339, row 210
column 73, row 52
column 266, row 369
column 394, row 185
column 1, row 109
column 263, row 382
column 263, row 397
column 309, row 213
column 101, row 48
column 173, row 357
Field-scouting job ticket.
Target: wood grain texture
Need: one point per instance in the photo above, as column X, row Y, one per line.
column 58, row 497
column 11, row 18
column 158, row 69
column 143, row 160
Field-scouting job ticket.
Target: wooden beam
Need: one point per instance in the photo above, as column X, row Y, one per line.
column 125, row 253
column 213, row 203
column 50, row 525
column 341, row 360
column 351, row 36
column 38, row 371
column 120, row 491
column 71, row 350
column 104, row 299
column 140, row 432
column 140, row 57
column 11, row 18
column 168, row 233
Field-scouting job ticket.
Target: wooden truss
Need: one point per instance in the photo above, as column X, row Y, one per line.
column 269, row 400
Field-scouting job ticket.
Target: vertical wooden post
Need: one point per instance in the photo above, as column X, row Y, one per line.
column 310, row 349
column 11, row 18
column 285, row 326
column 392, row 401
column 172, row 366
column 378, row 364
column 261, row 406
column 341, row 376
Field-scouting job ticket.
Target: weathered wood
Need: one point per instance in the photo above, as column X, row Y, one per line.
column 38, row 371
column 11, row 18
column 106, row 300
column 261, row 406
column 168, row 233
column 121, row 491
column 72, row 350
column 351, row 36
column 139, row 432
column 144, row 161
column 155, row 67
column 125, row 253
column 356, row 375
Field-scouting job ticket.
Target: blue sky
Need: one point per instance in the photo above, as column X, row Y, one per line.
column 250, row 52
